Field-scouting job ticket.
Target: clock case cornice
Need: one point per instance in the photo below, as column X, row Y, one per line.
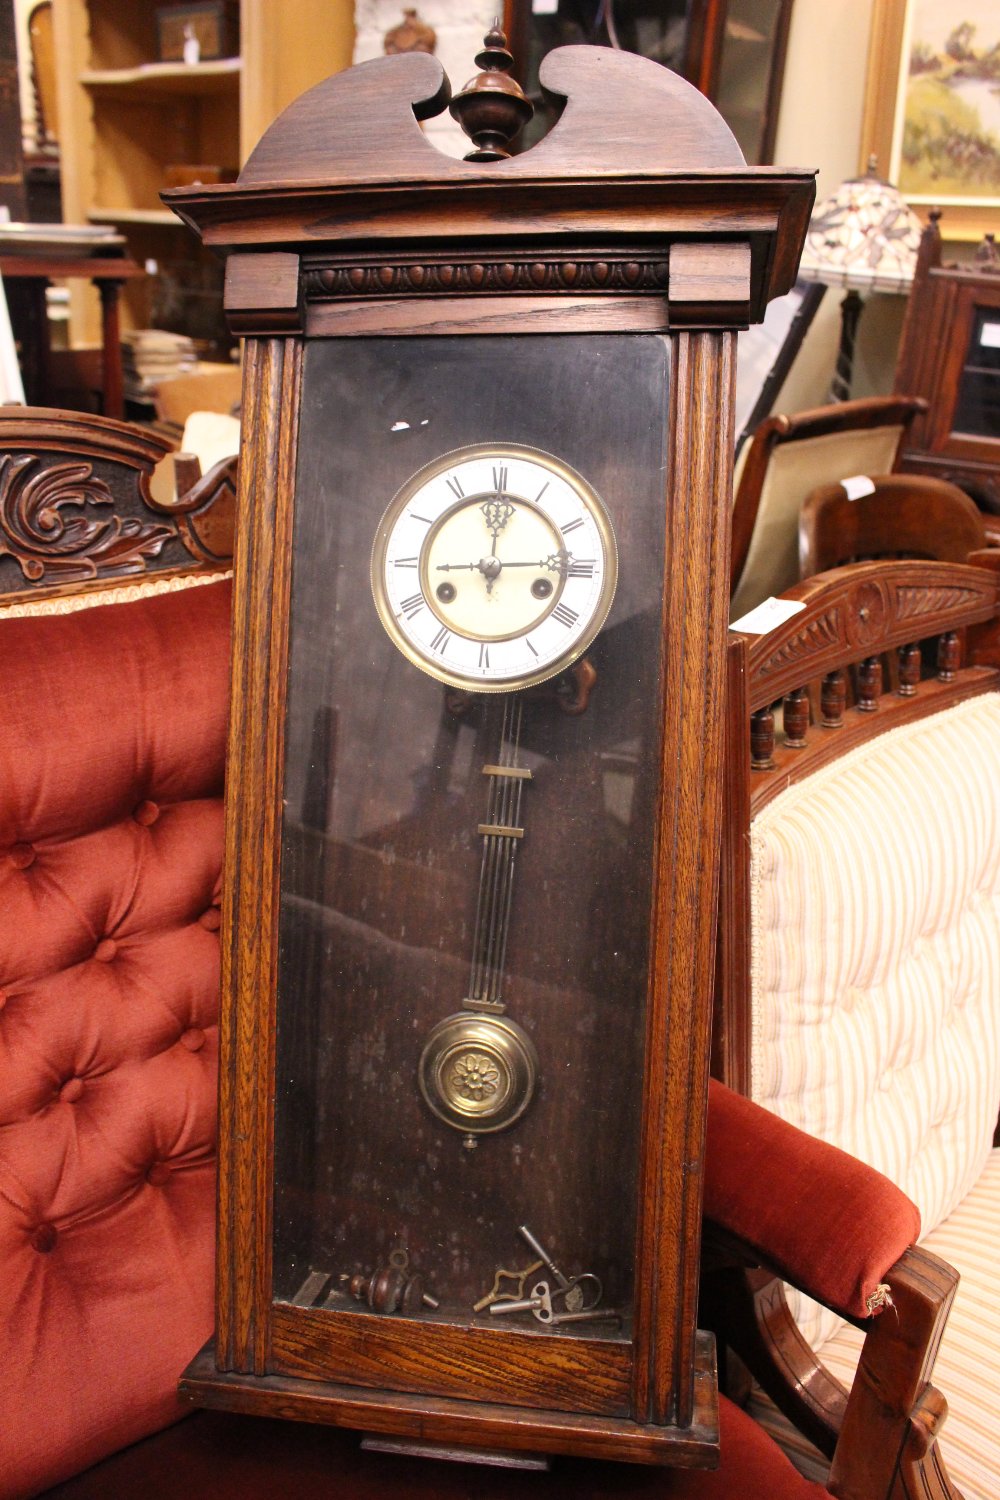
column 345, row 182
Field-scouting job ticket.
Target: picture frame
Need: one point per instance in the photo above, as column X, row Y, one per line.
column 969, row 209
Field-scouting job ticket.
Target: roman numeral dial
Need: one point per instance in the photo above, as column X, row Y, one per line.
column 494, row 567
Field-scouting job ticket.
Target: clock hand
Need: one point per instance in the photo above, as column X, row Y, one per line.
column 497, row 512
column 489, row 567
column 492, row 566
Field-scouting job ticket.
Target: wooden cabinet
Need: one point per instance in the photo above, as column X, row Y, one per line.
column 950, row 355
column 129, row 117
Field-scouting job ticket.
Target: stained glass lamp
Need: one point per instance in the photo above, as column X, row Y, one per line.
column 864, row 238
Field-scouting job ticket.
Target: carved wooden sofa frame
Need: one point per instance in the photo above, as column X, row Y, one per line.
column 76, row 504
column 807, row 668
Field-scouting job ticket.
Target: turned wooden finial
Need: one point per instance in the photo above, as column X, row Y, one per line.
column 909, row 670
column 762, row 739
column 869, row 684
column 491, row 108
column 795, row 719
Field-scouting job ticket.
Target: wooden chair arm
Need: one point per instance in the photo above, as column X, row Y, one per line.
column 880, row 1436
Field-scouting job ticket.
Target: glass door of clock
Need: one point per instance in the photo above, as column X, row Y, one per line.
column 466, row 892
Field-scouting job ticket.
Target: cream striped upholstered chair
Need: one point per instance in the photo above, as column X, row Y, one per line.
column 787, row 457
column 859, row 993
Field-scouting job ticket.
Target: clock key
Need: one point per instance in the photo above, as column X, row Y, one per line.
column 539, row 1303
column 544, row 1256
column 496, row 1295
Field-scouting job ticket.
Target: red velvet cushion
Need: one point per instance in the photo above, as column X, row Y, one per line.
column 224, row 1457
column 112, row 740
column 827, row 1222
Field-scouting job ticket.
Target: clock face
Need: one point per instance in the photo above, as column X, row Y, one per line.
column 494, row 567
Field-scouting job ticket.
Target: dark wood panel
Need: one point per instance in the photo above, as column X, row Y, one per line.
column 446, row 315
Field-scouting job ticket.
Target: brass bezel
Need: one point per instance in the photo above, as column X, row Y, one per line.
column 588, row 497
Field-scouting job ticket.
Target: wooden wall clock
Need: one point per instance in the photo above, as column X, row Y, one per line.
column 473, row 788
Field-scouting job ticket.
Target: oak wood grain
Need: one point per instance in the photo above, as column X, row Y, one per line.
column 470, row 1423
column 682, row 941
column 540, row 1370
column 263, row 556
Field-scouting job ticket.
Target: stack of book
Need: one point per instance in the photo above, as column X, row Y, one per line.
column 151, row 355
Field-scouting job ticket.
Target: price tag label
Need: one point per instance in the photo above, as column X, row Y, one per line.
column 856, row 486
column 767, row 616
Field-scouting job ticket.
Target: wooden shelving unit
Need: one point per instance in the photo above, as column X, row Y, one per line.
column 128, row 116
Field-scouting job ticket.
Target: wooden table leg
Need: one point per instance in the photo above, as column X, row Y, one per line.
column 113, row 387
column 30, row 325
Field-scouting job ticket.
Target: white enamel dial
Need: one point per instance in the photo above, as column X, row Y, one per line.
column 494, row 567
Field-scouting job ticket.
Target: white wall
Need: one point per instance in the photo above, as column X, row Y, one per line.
column 460, row 26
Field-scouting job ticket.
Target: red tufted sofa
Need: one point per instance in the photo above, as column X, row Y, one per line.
column 111, row 759
column 112, row 743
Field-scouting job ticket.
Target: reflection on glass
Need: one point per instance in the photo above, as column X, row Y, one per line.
column 977, row 409
column 407, row 920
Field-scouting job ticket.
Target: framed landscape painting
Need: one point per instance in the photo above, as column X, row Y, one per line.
column 932, row 109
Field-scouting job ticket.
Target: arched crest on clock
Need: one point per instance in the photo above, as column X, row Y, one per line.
column 352, row 126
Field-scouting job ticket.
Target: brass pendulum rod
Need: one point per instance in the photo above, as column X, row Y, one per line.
column 501, row 833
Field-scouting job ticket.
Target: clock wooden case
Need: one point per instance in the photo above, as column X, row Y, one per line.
column 473, row 792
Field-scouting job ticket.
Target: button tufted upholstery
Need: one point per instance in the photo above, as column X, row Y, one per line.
column 112, row 740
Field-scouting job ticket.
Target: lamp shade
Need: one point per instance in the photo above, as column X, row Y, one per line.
column 863, row 236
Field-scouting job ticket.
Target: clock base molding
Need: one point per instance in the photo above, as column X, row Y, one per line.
column 491, row 1458
column 457, row 1424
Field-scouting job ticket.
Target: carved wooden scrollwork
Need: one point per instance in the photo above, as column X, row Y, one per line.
column 816, row 635
column 867, row 610
column 915, row 603
column 852, row 611
column 48, row 528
